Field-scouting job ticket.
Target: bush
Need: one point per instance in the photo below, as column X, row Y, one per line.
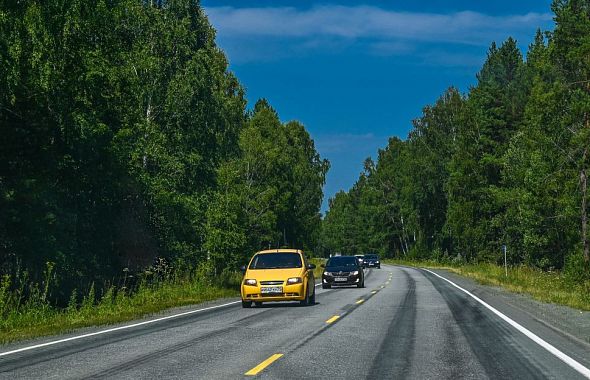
column 577, row 271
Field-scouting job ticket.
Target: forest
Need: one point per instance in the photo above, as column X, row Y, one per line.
column 125, row 141
column 505, row 164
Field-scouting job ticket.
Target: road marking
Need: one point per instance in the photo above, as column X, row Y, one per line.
column 359, row 301
column 115, row 329
column 529, row 334
column 333, row 319
column 373, row 292
column 263, row 365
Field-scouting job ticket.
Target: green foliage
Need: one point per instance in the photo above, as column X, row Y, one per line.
column 125, row 138
column 504, row 164
column 31, row 317
column 269, row 195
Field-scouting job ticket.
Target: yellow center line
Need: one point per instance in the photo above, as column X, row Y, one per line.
column 382, row 286
column 263, row 365
column 333, row 319
column 360, row 301
column 387, row 283
column 373, row 292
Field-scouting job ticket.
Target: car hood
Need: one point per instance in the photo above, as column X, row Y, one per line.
column 273, row 274
column 340, row 269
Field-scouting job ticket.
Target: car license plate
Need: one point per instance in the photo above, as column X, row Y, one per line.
column 340, row 279
column 271, row 289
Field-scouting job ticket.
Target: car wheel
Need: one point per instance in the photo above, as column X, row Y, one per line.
column 305, row 301
column 258, row 303
column 246, row 304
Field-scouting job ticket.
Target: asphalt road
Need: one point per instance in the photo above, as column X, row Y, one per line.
column 406, row 323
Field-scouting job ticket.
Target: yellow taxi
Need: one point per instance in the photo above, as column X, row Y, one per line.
column 278, row 275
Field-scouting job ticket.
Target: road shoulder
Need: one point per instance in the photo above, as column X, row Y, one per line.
column 561, row 325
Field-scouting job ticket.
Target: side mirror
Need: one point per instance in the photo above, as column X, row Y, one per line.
column 243, row 268
column 323, row 265
column 310, row 266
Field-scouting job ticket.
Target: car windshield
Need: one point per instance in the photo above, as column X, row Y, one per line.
column 342, row 261
column 276, row 260
column 371, row 257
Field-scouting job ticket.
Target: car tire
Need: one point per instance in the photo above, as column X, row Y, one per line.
column 246, row 304
column 258, row 303
column 305, row 301
column 312, row 298
column 324, row 286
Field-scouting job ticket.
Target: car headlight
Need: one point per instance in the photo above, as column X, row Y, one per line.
column 294, row 280
column 327, row 273
column 354, row 273
column 377, row 262
column 250, row 282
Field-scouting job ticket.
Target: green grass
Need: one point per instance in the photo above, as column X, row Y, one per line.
column 550, row 287
column 35, row 316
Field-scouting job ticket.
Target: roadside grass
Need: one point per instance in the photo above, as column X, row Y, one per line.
column 34, row 317
column 550, row 287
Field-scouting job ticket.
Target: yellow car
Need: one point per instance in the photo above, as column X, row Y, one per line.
column 278, row 275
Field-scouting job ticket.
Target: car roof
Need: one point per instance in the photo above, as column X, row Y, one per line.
column 281, row 250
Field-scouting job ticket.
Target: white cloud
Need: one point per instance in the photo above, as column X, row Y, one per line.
column 367, row 22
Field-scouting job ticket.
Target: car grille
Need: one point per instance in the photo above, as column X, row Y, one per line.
column 279, row 295
column 341, row 274
column 274, row 282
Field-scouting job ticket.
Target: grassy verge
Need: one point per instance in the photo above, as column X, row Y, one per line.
column 551, row 287
column 35, row 317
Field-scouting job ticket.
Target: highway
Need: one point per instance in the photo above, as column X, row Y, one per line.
column 406, row 323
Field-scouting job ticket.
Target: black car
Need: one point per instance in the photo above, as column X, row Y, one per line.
column 371, row 261
column 343, row 270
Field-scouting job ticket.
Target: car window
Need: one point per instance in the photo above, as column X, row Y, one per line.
column 342, row 261
column 276, row 260
column 372, row 257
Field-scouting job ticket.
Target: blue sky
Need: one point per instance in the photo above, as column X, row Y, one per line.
column 356, row 73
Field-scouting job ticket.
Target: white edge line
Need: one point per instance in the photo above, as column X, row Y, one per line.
column 117, row 328
column 114, row 329
column 547, row 346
